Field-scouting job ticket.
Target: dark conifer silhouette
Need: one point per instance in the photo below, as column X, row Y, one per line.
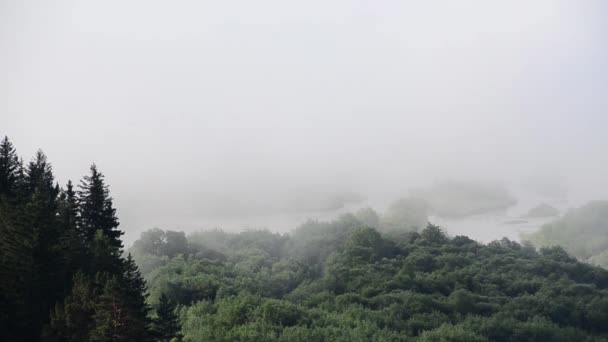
column 62, row 277
column 10, row 168
column 166, row 324
column 96, row 209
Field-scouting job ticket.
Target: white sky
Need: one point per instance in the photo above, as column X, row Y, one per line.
column 191, row 106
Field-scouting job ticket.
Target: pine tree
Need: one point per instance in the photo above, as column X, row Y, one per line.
column 96, row 209
column 8, row 297
column 166, row 325
column 31, row 267
column 104, row 256
column 72, row 320
column 123, row 299
column 15, row 268
column 14, row 251
column 99, row 225
column 71, row 242
column 9, row 168
column 112, row 308
column 120, row 315
column 39, row 176
column 110, row 318
column 69, row 207
column 45, row 280
column 135, row 291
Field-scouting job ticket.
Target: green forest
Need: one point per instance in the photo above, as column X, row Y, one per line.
column 344, row 281
column 66, row 276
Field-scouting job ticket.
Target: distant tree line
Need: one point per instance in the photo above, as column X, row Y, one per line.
column 346, row 281
column 583, row 232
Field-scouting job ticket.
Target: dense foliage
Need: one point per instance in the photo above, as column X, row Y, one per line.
column 345, row 281
column 62, row 274
column 583, row 232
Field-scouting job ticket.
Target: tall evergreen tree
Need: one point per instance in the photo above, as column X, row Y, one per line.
column 99, row 224
column 96, row 209
column 13, row 250
column 121, row 311
column 71, row 242
column 68, row 209
column 39, row 176
column 136, row 292
column 45, row 280
column 9, row 168
column 16, row 264
column 72, row 320
column 31, row 270
column 111, row 319
column 166, row 325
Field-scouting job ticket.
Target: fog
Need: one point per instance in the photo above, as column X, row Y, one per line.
column 237, row 113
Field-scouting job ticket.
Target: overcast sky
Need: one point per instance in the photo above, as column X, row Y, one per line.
column 190, row 107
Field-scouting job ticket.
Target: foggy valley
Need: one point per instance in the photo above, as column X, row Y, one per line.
column 323, row 171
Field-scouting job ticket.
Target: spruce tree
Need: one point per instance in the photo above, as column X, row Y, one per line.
column 166, row 325
column 96, row 209
column 16, row 266
column 9, row 168
column 39, row 176
column 42, row 231
column 71, row 242
column 14, row 251
column 136, row 293
column 123, row 291
column 120, row 313
column 110, row 318
column 31, row 271
column 72, row 320
column 99, row 225
column 69, row 207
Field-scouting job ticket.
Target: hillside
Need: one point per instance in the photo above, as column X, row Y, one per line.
column 583, row 232
column 343, row 281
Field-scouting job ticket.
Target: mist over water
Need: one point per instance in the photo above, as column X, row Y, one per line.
column 248, row 115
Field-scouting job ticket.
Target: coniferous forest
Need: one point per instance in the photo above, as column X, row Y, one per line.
column 66, row 276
